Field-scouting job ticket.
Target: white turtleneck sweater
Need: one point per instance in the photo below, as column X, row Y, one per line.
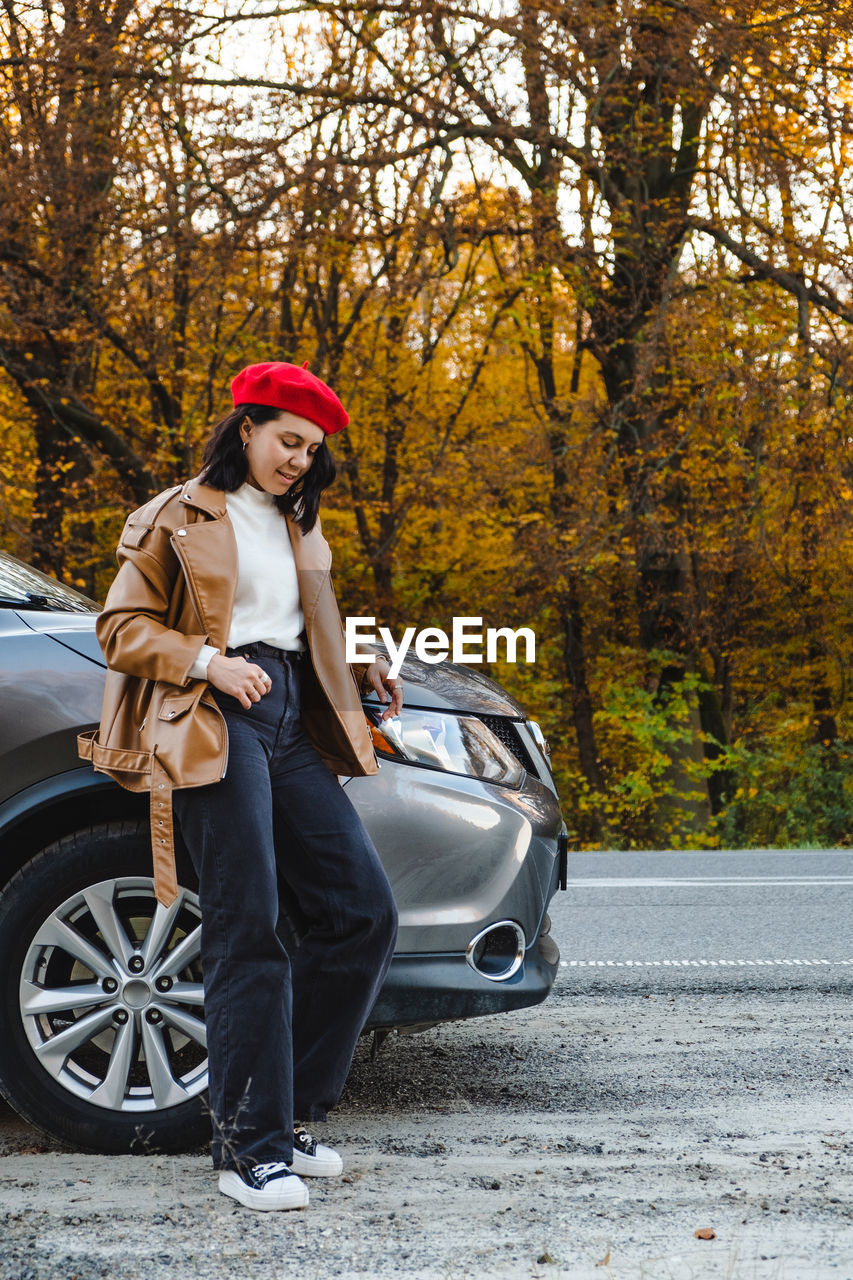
column 266, row 602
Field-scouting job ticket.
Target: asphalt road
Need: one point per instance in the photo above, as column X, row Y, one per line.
column 690, row 1071
column 756, row 919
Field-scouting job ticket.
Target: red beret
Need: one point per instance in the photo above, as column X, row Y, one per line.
column 290, row 387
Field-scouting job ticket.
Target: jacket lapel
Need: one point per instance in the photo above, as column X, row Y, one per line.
column 207, row 550
column 313, row 558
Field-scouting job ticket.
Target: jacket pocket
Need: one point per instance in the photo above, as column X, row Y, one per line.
column 175, row 705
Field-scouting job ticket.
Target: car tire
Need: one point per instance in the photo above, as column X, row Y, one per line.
column 100, row 997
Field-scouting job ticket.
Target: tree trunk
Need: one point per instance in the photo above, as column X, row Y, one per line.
column 60, row 463
column 571, row 614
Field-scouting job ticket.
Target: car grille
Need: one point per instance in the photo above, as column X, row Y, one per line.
column 505, row 729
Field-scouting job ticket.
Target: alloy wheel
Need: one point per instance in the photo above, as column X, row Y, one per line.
column 111, row 996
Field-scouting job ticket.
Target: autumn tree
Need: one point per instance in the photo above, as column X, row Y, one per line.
column 132, row 189
column 642, row 135
column 582, row 272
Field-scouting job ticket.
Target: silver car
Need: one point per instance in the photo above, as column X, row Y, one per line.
column 102, row 1038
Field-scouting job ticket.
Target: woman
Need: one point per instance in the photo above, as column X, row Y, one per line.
column 229, row 698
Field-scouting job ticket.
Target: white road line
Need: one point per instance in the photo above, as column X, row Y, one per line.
column 690, row 964
column 710, row 882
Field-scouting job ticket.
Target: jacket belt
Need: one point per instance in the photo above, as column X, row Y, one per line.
column 162, row 835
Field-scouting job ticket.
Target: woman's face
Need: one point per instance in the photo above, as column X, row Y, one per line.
column 280, row 451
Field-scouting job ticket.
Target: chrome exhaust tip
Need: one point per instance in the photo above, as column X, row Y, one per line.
column 497, row 952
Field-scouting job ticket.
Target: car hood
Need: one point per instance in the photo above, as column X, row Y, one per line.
column 75, row 630
column 447, row 686
column 453, row 687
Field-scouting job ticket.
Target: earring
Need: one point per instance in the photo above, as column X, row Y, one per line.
column 245, row 442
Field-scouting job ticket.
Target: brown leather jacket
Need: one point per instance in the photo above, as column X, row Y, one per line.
column 174, row 590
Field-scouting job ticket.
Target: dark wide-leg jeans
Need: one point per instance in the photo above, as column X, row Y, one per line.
column 282, row 1023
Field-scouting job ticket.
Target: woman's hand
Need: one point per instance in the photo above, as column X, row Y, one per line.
column 376, row 677
column 243, row 680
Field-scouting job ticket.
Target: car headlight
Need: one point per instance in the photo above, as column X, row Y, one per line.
column 454, row 743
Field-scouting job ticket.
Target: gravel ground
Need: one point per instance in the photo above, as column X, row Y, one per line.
column 588, row 1138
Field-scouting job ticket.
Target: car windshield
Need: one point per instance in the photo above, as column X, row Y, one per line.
column 22, row 587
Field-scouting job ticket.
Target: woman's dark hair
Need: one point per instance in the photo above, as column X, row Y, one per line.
column 224, row 465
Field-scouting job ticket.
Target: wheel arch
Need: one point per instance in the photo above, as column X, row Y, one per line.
column 57, row 806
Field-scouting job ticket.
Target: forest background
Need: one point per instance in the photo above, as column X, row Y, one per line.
column 582, row 274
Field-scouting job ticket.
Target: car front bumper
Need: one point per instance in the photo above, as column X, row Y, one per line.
column 430, row 988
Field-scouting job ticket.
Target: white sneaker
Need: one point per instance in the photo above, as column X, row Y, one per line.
column 311, row 1159
column 265, row 1186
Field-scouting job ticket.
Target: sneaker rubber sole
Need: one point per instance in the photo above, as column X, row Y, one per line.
column 280, row 1193
column 325, row 1164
